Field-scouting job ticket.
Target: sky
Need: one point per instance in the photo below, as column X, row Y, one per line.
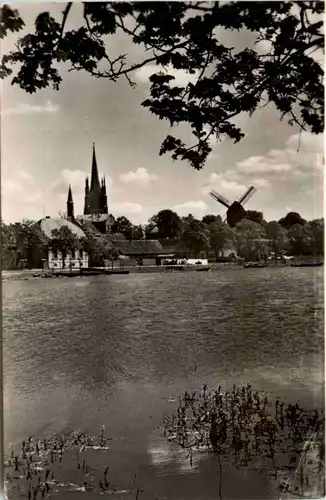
column 47, row 142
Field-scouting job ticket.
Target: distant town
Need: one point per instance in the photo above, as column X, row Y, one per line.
column 96, row 237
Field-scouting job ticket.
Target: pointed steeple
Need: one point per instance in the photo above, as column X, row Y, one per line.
column 70, row 204
column 94, row 201
column 86, row 204
column 95, row 183
column 104, row 197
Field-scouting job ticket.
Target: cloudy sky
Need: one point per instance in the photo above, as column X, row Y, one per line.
column 47, row 145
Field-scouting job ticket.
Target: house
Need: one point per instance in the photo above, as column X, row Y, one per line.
column 54, row 260
column 140, row 252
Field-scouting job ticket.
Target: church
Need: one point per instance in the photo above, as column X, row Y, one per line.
column 97, row 221
column 95, row 218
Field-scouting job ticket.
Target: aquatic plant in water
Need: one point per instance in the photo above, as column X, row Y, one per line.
column 246, row 428
column 66, row 462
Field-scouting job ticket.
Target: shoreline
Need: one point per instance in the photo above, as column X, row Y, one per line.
column 28, row 274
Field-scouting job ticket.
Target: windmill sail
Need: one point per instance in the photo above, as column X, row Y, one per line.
column 248, row 194
column 218, row 197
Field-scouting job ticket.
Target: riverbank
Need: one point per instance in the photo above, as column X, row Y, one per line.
column 26, row 274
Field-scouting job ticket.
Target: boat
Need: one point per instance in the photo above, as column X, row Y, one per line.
column 187, row 268
column 307, row 261
column 116, row 271
column 308, row 264
column 257, row 265
column 187, row 265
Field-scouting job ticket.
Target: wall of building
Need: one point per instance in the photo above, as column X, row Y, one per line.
column 76, row 261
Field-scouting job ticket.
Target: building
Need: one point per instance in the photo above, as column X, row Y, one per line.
column 75, row 260
column 96, row 205
column 98, row 222
column 140, row 252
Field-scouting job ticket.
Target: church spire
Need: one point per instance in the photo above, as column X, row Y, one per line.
column 95, row 183
column 104, row 197
column 70, row 204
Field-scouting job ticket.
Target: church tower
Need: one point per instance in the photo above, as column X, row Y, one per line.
column 70, row 205
column 94, row 194
column 86, row 206
column 104, row 197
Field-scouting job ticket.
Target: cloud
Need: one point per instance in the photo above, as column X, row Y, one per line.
column 125, row 208
column 261, row 183
column 196, row 207
column 226, row 182
column 28, row 109
column 302, row 153
column 12, row 189
column 259, row 164
column 283, row 176
column 24, row 175
column 181, row 77
column 140, row 176
column 76, row 178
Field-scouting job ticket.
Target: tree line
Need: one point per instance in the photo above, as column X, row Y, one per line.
column 252, row 239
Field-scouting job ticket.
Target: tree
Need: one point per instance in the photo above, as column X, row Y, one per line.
column 168, row 224
column 8, row 246
column 64, row 241
column 316, row 236
column 291, row 219
column 220, row 236
column 298, row 240
column 138, row 233
column 124, row 226
column 250, row 240
column 111, row 254
column 208, row 219
column 222, row 81
column 276, row 235
column 255, row 216
column 30, row 240
column 196, row 237
column 93, row 246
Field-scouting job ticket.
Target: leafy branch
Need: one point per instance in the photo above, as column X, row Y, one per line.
column 184, row 36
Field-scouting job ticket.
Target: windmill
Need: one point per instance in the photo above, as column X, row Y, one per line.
column 235, row 211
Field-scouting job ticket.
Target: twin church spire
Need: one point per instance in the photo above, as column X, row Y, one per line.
column 95, row 194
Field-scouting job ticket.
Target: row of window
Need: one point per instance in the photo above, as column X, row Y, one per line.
column 70, row 254
column 72, row 264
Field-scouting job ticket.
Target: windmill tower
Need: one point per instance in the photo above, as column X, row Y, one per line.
column 235, row 211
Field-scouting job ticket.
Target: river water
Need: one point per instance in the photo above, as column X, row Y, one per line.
column 117, row 350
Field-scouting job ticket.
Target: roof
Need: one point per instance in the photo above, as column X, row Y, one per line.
column 48, row 224
column 140, row 247
column 96, row 217
column 88, row 227
column 116, row 237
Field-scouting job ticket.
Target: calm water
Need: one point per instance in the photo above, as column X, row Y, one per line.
column 115, row 350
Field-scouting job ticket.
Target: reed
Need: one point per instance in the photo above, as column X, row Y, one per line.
column 243, row 426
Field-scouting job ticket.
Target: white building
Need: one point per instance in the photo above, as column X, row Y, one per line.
column 75, row 260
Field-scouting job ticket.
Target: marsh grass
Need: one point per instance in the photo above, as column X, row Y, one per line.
column 65, row 464
column 242, row 428
column 247, row 428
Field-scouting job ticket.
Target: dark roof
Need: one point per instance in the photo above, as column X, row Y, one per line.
column 140, row 247
column 116, row 237
column 88, row 227
column 96, row 217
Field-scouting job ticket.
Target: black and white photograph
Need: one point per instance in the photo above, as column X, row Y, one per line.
column 162, row 250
